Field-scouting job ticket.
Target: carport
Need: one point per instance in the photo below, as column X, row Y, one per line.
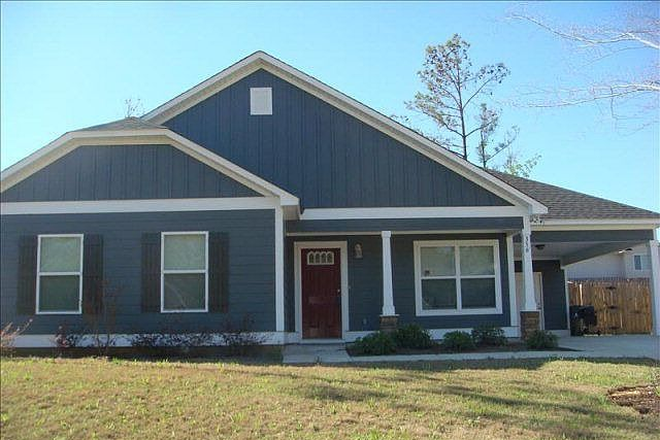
column 577, row 227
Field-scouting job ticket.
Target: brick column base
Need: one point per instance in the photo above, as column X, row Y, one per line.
column 388, row 324
column 529, row 322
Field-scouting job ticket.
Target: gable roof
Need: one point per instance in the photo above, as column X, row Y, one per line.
column 134, row 131
column 129, row 123
column 564, row 203
column 410, row 138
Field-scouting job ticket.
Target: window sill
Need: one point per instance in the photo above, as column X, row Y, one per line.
column 185, row 311
column 464, row 312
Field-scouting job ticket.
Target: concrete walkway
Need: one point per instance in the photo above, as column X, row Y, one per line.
column 315, row 354
column 623, row 346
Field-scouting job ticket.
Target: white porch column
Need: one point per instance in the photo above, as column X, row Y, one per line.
column 388, row 297
column 511, row 269
column 527, row 271
column 655, row 285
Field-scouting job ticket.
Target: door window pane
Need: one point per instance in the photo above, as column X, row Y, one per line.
column 438, row 294
column 60, row 254
column 477, row 260
column 60, row 293
column 438, row 261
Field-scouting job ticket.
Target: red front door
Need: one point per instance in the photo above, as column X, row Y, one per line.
column 321, row 293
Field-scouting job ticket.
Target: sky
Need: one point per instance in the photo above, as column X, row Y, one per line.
column 65, row 66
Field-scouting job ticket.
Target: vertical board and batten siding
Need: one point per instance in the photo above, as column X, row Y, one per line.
column 125, row 172
column 251, row 267
column 554, row 292
column 319, row 153
column 365, row 278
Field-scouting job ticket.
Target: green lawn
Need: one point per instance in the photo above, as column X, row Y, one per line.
column 120, row 399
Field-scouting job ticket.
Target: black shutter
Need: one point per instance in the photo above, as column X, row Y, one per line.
column 151, row 272
column 218, row 271
column 93, row 288
column 26, row 298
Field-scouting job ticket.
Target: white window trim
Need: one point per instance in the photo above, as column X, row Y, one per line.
column 163, row 272
column 419, row 310
column 79, row 273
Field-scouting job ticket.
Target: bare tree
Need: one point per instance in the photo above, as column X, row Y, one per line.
column 630, row 92
column 453, row 89
column 133, row 107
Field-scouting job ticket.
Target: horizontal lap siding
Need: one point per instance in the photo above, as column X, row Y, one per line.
column 123, row 173
column 321, row 154
column 251, row 265
column 365, row 278
column 554, row 292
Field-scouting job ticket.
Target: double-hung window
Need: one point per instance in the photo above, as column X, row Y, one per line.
column 184, row 272
column 59, row 274
column 457, row 277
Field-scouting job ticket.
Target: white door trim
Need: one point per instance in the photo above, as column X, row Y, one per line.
column 298, row 246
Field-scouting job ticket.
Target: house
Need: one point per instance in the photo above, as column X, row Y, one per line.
column 632, row 262
column 263, row 192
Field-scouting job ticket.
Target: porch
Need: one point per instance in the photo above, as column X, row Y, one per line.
column 378, row 280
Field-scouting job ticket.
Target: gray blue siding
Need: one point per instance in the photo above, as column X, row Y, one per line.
column 251, row 265
column 554, row 292
column 322, row 155
column 410, row 224
column 365, row 280
column 125, row 172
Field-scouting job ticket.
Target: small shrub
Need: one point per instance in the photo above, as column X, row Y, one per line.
column 488, row 335
column 8, row 336
column 413, row 336
column 239, row 338
column 457, row 341
column 541, row 340
column 377, row 343
column 67, row 338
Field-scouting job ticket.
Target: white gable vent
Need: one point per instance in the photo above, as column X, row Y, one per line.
column 261, row 101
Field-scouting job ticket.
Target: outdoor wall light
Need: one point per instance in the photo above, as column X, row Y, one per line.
column 357, row 251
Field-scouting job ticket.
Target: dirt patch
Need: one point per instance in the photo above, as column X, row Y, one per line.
column 643, row 398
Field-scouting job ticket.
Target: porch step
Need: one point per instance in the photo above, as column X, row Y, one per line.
column 315, row 353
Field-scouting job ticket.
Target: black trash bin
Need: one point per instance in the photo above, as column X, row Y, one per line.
column 582, row 319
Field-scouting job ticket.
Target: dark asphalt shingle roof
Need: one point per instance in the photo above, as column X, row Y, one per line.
column 130, row 123
column 564, row 203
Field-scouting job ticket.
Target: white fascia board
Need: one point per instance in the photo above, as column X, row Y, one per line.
column 412, row 212
column 139, row 205
column 596, row 224
column 261, row 60
column 72, row 140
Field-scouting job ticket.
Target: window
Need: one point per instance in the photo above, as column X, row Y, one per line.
column 59, row 274
column 461, row 277
column 641, row 262
column 184, row 274
column 320, row 258
column 261, row 101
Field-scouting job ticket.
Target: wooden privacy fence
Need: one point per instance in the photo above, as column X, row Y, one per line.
column 622, row 305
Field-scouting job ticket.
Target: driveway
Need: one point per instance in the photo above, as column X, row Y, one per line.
column 615, row 346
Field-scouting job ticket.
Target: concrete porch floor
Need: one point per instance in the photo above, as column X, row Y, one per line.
column 621, row 346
